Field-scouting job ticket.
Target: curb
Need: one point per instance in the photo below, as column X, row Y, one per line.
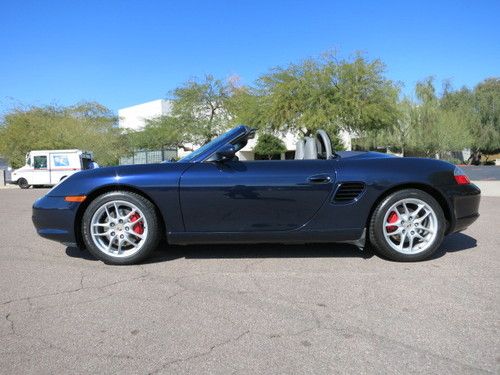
column 488, row 188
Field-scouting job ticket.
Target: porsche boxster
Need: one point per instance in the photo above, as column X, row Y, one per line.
column 402, row 207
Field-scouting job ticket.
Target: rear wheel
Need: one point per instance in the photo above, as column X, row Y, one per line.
column 120, row 227
column 23, row 183
column 408, row 225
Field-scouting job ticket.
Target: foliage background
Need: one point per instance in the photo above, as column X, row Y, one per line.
column 336, row 94
column 87, row 126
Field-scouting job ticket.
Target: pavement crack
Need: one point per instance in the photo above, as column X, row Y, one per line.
column 202, row 354
column 183, row 289
column 76, row 353
column 88, row 354
column 118, row 282
column 81, row 280
column 11, row 322
column 74, row 290
column 399, row 343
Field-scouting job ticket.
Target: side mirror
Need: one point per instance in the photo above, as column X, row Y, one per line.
column 226, row 152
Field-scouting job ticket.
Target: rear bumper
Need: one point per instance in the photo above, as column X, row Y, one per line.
column 464, row 222
column 464, row 201
column 54, row 219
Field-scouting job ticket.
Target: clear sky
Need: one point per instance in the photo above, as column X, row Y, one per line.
column 122, row 53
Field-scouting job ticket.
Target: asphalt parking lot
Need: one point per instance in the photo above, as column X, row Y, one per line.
column 482, row 172
column 247, row 309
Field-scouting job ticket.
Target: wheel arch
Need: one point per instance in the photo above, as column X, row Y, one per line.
column 105, row 189
column 432, row 191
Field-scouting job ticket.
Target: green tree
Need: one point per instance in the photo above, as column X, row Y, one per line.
column 400, row 136
column 269, row 145
column 160, row 132
column 440, row 123
column 328, row 93
column 457, row 118
column 202, row 107
column 427, row 118
column 432, row 125
column 201, row 110
column 249, row 106
column 486, row 129
column 88, row 126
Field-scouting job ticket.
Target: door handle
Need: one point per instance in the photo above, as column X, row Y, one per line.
column 320, row 179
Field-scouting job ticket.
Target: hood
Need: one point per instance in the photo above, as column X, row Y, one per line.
column 84, row 182
column 23, row 168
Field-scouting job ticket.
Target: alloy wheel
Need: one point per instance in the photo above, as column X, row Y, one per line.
column 410, row 226
column 119, row 228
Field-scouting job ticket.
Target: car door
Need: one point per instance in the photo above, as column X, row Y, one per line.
column 253, row 196
column 41, row 173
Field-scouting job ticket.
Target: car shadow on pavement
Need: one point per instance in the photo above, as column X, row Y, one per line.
column 239, row 251
column 452, row 243
column 75, row 252
column 166, row 252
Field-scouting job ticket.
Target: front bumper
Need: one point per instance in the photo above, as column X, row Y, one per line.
column 54, row 219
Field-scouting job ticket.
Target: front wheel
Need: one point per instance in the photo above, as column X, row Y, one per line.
column 121, row 227
column 408, row 225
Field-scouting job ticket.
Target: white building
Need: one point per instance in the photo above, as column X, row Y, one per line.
column 135, row 117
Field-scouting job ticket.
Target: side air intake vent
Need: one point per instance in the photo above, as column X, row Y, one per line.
column 348, row 192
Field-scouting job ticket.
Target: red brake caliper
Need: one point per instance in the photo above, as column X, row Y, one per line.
column 393, row 217
column 139, row 227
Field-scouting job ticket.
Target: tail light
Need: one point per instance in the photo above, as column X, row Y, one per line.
column 460, row 177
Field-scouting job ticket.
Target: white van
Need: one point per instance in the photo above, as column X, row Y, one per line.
column 49, row 167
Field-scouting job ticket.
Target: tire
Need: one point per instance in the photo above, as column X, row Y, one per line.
column 407, row 235
column 23, row 183
column 116, row 242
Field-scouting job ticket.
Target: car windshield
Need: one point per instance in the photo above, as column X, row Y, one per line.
column 221, row 139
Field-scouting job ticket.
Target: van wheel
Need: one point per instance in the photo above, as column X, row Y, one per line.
column 23, row 183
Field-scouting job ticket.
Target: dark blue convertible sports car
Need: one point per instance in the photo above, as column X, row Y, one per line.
column 402, row 206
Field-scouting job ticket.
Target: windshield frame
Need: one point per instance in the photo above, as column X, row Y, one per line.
column 208, row 149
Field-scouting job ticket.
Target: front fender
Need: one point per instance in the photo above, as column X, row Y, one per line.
column 157, row 182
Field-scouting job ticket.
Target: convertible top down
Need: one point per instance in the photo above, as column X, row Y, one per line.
column 401, row 206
